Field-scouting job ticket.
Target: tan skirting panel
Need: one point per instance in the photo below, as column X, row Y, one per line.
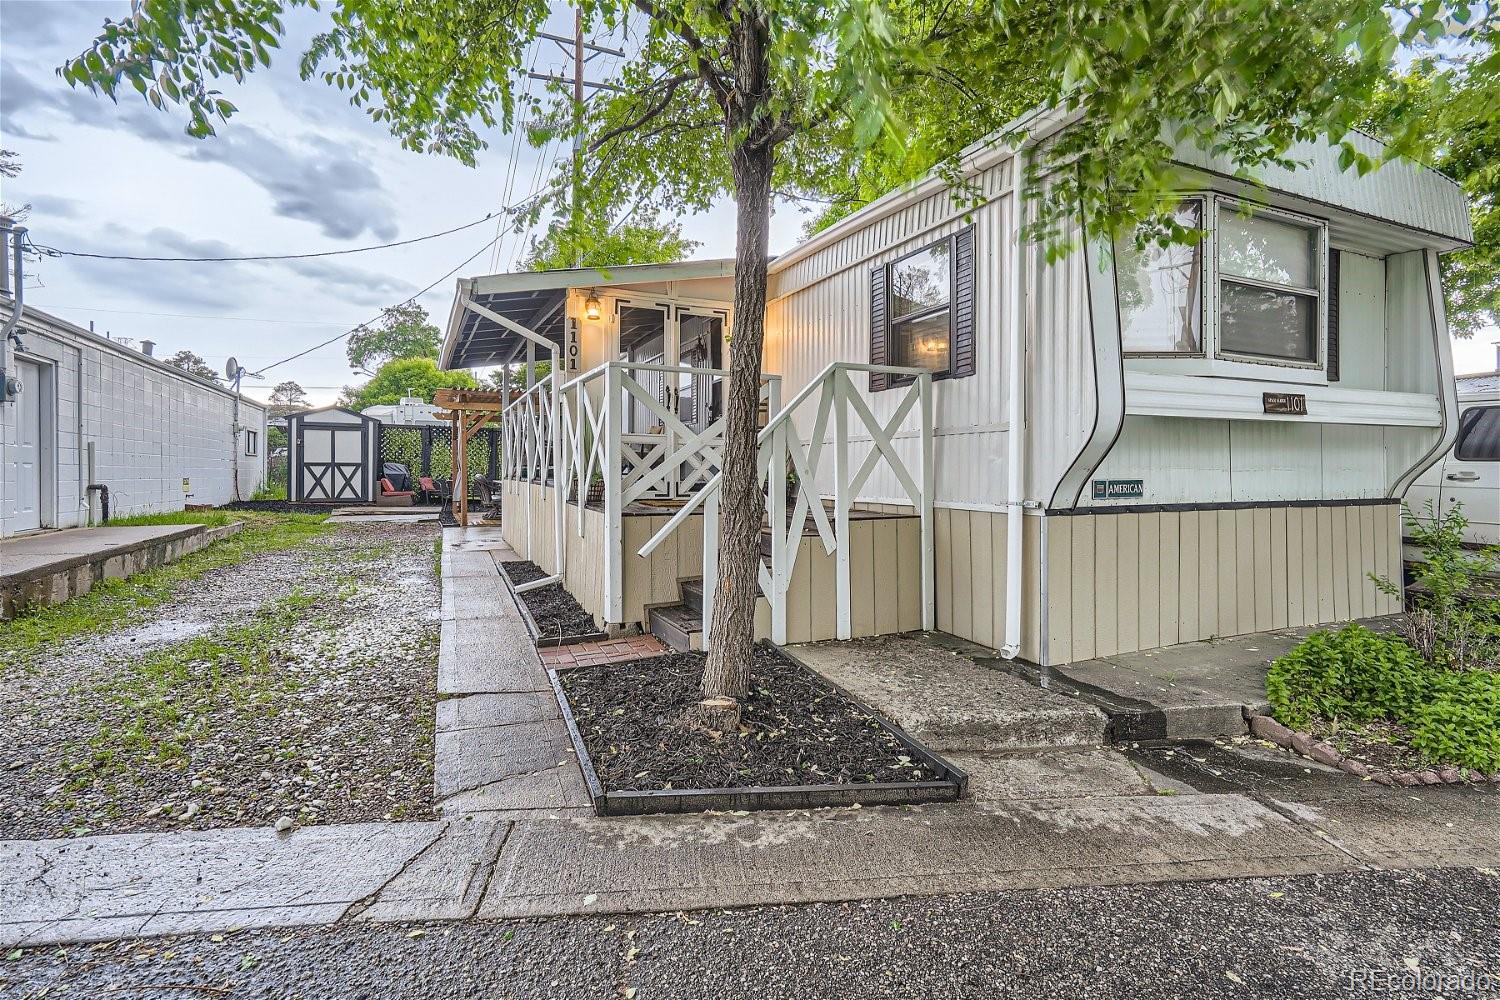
column 885, row 568
column 1123, row 582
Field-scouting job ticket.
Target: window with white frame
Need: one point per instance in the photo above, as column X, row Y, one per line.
column 252, row 442
column 1262, row 300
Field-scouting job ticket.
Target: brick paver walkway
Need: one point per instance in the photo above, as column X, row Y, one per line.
column 588, row 654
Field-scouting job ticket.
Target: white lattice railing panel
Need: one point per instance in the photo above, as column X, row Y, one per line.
column 825, row 457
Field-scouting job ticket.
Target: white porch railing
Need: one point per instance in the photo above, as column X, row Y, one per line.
column 618, row 425
column 829, row 397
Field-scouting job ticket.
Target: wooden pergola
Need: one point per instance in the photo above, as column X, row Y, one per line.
column 468, row 411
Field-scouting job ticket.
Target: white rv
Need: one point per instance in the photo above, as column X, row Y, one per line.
column 1060, row 461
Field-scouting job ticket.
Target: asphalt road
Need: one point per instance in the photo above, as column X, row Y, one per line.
column 1291, row 937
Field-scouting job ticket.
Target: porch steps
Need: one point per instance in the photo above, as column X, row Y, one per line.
column 680, row 626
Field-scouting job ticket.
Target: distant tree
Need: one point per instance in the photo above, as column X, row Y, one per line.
column 407, row 377
column 626, row 244
column 401, row 332
column 287, row 397
column 10, row 163
column 193, row 364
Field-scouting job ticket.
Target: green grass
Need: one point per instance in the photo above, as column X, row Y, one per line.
column 270, row 491
column 118, row 603
column 169, row 695
column 212, row 518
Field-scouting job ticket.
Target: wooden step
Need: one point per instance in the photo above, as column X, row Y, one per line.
column 679, row 626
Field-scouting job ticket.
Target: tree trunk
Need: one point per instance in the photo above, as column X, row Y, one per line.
column 742, row 506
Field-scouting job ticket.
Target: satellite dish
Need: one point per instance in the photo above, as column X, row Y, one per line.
column 231, row 369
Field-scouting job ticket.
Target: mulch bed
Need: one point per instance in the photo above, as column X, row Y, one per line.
column 795, row 729
column 557, row 613
column 283, row 507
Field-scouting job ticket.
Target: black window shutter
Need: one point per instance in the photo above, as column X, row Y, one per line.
column 963, row 304
column 878, row 328
column 1333, row 315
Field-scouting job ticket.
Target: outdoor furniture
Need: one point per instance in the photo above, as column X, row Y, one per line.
column 392, row 497
column 489, row 496
column 398, row 475
column 433, row 489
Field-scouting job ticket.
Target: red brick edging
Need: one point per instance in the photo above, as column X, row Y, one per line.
column 1266, row 728
column 589, row 654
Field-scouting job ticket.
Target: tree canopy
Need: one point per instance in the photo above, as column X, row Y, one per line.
column 407, row 377
column 403, row 331
column 630, row 243
column 193, row 364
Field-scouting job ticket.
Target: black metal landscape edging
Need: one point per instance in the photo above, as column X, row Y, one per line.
column 535, row 632
column 690, row 800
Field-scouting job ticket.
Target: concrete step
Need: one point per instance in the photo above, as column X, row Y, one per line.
column 679, row 626
column 931, row 686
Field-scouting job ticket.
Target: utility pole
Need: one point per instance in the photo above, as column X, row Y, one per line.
column 577, row 47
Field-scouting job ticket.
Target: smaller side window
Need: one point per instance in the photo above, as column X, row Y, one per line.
column 252, row 443
column 1479, row 435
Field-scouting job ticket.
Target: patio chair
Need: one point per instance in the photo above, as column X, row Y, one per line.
column 392, row 497
column 433, row 489
column 489, row 496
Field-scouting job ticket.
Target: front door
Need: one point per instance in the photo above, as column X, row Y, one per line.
column 25, row 459
column 674, row 345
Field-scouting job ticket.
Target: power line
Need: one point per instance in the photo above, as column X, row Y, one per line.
column 50, row 251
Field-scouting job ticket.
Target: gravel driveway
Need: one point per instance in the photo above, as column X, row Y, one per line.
column 1357, row 934
column 299, row 683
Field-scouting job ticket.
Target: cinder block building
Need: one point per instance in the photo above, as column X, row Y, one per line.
column 85, row 411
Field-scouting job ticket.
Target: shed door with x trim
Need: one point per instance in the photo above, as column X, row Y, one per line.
column 333, row 461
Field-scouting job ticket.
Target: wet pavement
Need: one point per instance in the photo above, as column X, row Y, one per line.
column 1393, row 933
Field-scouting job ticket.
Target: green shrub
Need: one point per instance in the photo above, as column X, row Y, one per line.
column 1351, row 675
column 1453, row 615
column 1357, row 676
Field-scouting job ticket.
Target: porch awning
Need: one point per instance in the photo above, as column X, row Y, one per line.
column 535, row 300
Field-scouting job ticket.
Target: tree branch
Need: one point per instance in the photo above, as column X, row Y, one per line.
column 704, row 61
column 671, row 83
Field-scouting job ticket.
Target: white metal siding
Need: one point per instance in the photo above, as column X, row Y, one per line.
column 822, row 315
column 1401, row 192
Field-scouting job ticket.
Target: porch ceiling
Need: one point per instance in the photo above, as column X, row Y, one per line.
column 476, row 341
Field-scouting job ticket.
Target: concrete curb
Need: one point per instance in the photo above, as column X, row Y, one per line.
column 1266, row 728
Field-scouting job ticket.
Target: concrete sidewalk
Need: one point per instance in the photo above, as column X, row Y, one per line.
column 53, row 566
column 1271, row 818
column 502, row 751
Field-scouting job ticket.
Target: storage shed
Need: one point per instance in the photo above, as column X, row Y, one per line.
column 332, row 456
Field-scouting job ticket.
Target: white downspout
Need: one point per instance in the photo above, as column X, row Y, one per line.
column 1015, row 412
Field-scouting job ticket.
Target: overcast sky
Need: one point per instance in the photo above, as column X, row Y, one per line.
column 297, row 170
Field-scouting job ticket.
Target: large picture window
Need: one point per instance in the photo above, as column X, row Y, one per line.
column 922, row 310
column 1249, row 290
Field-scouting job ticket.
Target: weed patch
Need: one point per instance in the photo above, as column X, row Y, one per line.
column 116, row 603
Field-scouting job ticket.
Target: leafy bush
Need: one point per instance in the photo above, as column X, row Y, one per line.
column 1351, row 675
column 1453, row 615
column 1357, row 676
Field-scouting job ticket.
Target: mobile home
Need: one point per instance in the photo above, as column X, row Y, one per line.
column 1116, row 451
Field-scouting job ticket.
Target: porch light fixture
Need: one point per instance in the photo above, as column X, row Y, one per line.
column 591, row 307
